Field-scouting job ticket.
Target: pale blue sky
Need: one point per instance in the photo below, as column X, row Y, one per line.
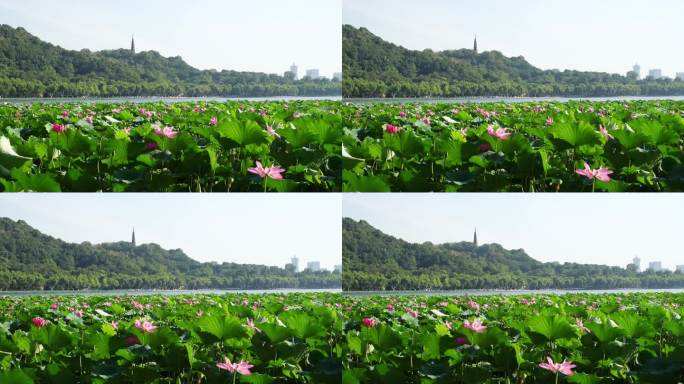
column 602, row 35
column 255, row 35
column 585, row 228
column 243, row 228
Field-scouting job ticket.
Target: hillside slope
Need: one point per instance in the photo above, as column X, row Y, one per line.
column 30, row 67
column 374, row 67
column 374, row 260
column 30, row 259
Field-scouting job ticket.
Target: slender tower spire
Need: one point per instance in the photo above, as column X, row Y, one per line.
column 475, row 238
column 133, row 238
column 475, row 44
column 132, row 44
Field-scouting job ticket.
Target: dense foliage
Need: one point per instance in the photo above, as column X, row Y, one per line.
column 629, row 146
column 375, row 68
column 171, row 339
column 30, row 67
column 30, row 260
column 626, row 338
column 162, row 147
column 376, row 261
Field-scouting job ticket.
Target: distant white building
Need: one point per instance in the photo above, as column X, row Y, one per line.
column 295, row 263
column 636, row 262
column 313, row 74
column 338, row 268
column 655, row 74
column 294, row 70
column 680, row 75
column 637, row 70
column 680, row 268
column 313, row 266
column 655, row 266
column 337, row 76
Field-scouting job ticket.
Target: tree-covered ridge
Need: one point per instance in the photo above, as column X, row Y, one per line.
column 374, row 67
column 30, row 259
column 30, row 67
column 374, row 260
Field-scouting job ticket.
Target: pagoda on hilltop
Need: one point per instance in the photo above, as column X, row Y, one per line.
column 475, row 238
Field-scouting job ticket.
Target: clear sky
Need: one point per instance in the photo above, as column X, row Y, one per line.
column 244, row 228
column 600, row 229
column 255, row 35
column 601, row 35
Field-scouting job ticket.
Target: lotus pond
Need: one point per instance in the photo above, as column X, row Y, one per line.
column 575, row 338
column 246, row 338
column 575, row 146
column 160, row 147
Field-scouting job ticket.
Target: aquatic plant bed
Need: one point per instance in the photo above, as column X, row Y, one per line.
column 576, row 146
column 159, row 147
column 574, row 338
column 246, row 338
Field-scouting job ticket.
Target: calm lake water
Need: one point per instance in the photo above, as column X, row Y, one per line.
column 476, row 292
column 143, row 292
column 510, row 99
column 157, row 99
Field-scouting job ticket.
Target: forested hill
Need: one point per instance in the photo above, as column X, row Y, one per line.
column 30, row 259
column 30, row 67
column 374, row 67
column 374, row 260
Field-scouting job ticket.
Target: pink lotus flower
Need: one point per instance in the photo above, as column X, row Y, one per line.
column 565, row 367
column 114, row 324
column 486, row 114
column 137, row 305
column 213, row 120
column 152, row 146
column 549, row 121
column 127, row 131
column 484, row 147
column 604, row 132
column 499, row 133
column 461, row 340
column 89, row 119
column 54, row 306
column 65, row 113
column 78, row 313
column 199, row 313
column 116, row 110
column 476, row 326
column 390, row 307
column 242, row 367
column 59, row 128
column 146, row 113
column 391, row 129
column 473, row 305
column 145, row 326
column 272, row 131
column 369, row 322
column 448, row 324
column 402, row 114
column 39, row 322
column 250, row 325
column 412, row 312
column 167, row 132
column 602, row 174
column 273, row 172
